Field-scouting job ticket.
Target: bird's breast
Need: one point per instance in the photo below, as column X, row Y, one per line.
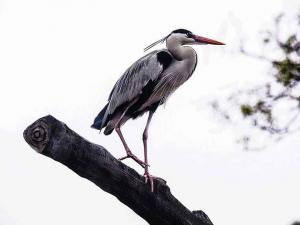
column 172, row 78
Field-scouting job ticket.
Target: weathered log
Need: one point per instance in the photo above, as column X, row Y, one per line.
column 54, row 139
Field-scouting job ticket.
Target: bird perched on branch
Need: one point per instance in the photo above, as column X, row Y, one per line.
column 147, row 84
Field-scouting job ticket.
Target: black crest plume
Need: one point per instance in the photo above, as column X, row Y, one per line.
column 155, row 43
column 182, row 31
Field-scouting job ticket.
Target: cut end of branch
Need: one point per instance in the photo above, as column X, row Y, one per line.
column 37, row 135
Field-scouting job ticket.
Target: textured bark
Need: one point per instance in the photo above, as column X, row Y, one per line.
column 54, row 139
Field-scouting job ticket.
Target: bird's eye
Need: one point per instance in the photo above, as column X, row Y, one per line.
column 189, row 35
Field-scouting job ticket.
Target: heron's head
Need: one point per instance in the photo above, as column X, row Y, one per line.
column 185, row 37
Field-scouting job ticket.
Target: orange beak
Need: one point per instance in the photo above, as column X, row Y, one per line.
column 204, row 40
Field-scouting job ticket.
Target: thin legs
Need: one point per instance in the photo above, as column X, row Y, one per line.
column 128, row 152
column 144, row 164
column 145, row 138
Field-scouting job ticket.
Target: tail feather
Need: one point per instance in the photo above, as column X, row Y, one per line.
column 108, row 129
column 110, row 126
column 98, row 122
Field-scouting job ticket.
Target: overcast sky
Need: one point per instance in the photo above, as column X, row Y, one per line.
column 62, row 57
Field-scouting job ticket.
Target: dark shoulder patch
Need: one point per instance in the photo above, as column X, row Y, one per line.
column 164, row 58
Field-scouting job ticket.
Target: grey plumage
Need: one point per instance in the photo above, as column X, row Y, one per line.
column 131, row 83
column 148, row 83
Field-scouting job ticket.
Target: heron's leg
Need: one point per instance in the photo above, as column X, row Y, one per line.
column 128, row 152
column 145, row 138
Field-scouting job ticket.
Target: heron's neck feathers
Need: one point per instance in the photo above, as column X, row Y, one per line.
column 178, row 50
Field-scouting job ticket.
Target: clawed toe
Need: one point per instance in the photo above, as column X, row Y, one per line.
column 151, row 180
column 135, row 158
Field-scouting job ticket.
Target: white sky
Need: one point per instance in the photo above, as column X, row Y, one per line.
column 62, row 57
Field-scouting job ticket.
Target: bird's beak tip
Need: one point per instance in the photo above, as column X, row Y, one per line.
column 217, row 43
column 205, row 40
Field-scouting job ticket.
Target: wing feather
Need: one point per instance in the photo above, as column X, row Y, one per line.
column 135, row 78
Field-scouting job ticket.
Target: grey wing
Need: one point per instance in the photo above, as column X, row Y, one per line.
column 136, row 77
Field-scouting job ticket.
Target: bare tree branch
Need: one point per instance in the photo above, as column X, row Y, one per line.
column 54, row 139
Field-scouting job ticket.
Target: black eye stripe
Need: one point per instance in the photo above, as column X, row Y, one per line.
column 189, row 35
column 183, row 31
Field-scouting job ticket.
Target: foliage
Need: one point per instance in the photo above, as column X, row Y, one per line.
column 273, row 107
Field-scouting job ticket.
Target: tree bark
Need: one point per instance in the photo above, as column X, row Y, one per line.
column 52, row 138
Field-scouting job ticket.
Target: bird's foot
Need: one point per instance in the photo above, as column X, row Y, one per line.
column 151, row 179
column 135, row 158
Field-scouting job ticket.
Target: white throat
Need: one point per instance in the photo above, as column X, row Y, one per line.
column 175, row 44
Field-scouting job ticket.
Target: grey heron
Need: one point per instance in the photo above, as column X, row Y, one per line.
column 147, row 84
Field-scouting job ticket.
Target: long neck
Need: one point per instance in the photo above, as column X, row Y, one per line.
column 179, row 51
